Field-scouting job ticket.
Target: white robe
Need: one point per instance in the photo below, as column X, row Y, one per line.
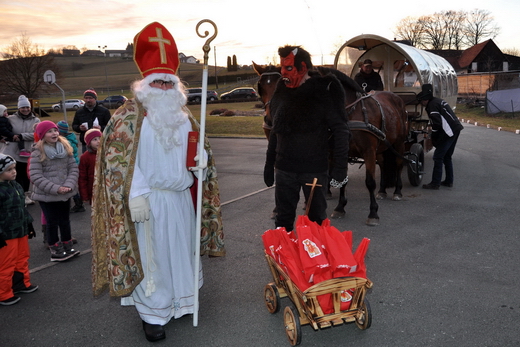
column 162, row 177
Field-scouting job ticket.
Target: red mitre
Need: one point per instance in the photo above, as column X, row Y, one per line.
column 155, row 50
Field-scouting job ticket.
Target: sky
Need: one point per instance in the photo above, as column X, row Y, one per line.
column 251, row 30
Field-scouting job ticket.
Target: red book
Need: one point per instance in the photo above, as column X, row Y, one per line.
column 193, row 141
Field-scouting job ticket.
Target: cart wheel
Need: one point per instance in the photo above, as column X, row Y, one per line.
column 291, row 321
column 415, row 170
column 364, row 315
column 272, row 298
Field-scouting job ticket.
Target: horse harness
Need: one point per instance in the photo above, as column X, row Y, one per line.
column 366, row 125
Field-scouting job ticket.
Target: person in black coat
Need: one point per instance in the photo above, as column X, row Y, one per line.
column 446, row 128
column 307, row 109
column 367, row 78
column 94, row 115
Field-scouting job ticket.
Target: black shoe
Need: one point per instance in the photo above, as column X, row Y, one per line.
column 26, row 290
column 153, row 332
column 446, row 184
column 10, row 301
column 77, row 208
column 431, row 186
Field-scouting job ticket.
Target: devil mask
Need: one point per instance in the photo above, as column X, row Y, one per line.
column 290, row 74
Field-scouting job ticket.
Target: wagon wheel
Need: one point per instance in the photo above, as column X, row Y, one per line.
column 364, row 315
column 415, row 170
column 272, row 298
column 293, row 329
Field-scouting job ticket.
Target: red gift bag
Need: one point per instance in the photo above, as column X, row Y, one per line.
column 359, row 255
column 339, row 253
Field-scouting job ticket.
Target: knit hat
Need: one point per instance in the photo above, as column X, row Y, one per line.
column 91, row 134
column 2, row 110
column 23, row 101
column 5, row 162
column 90, row 92
column 63, row 128
column 43, row 127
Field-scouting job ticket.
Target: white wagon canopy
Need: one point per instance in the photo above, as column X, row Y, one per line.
column 403, row 68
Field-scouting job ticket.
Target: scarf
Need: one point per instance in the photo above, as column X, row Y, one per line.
column 57, row 151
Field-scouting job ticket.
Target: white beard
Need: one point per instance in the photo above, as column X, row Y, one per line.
column 163, row 107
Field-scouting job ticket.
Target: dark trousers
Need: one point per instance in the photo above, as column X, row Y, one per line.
column 287, row 195
column 57, row 217
column 21, row 175
column 442, row 156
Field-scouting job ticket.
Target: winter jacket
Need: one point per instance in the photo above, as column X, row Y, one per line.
column 84, row 115
column 73, row 141
column 303, row 120
column 86, row 175
column 14, row 217
column 51, row 174
column 373, row 81
column 24, row 126
column 443, row 120
column 6, row 129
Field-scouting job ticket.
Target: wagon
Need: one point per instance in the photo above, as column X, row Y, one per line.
column 307, row 309
column 403, row 70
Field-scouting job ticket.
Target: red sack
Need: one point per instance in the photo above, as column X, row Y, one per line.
column 359, row 255
column 339, row 253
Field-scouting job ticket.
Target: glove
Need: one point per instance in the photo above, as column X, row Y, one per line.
column 31, row 233
column 2, row 242
column 269, row 175
column 201, row 163
column 139, row 209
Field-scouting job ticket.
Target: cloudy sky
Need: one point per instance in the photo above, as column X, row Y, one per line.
column 251, row 30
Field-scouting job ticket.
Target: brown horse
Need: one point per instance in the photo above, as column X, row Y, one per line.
column 379, row 127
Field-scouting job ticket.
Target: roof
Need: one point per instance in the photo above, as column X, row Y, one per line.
column 469, row 55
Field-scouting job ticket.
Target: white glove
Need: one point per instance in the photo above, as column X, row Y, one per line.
column 202, row 163
column 139, row 209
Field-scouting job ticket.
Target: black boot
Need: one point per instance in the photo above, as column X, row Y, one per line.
column 78, row 205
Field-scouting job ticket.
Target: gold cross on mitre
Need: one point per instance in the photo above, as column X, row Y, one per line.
column 161, row 41
column 313, row 185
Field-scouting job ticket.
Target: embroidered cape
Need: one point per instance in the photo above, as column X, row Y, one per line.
column 116, row 263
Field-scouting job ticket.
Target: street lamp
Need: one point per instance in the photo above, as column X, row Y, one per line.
column 105, row 60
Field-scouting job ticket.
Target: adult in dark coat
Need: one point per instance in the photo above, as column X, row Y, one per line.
column 88, row 114
column 307, row 109
column 446, row 128
column 367, row 78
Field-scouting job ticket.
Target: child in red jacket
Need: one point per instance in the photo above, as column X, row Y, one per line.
column 87, row 164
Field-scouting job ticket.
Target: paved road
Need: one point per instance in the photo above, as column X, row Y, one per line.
column 444, row 265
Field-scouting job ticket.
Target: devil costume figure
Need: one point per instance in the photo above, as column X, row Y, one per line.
column 308, row 111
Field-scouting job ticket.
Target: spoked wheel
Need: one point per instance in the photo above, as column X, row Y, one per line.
column 291, row 321
column 364, row 316
column 272, row 298
column 415, row 169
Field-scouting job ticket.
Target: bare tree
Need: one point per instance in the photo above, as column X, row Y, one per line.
column 454, row 22
column 410, row 29
column 22, row 71
column 480, row 25
column 434, row 30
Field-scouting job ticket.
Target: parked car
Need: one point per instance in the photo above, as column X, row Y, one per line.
column 113, row 101
column 195, row 95
column 70, row 104
column 240, row 93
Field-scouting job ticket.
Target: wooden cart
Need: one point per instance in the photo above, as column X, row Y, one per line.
column 308, row 309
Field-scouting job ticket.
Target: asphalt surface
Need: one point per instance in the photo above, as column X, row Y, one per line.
column 444, row 264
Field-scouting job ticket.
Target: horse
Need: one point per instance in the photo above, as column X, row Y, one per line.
column 379, row 129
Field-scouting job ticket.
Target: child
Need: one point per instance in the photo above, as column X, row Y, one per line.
column 63, row 128
column 15, row 223
column 54, row 174
column 88, row 163
column 6, row 132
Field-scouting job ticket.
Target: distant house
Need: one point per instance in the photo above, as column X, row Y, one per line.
column 188, row 59
column 482, row 68
column 93, row 53
column 119, row 53
column 483, row 57
column 71, row 52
